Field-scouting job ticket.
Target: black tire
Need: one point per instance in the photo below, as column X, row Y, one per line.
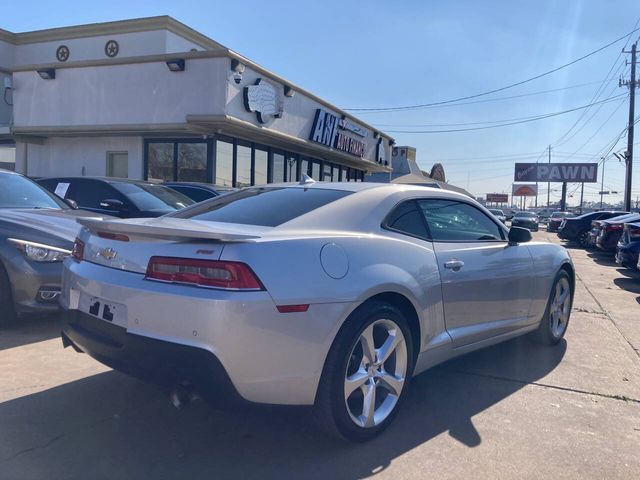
column 331, row 409
column 583, row 239
column 7, row 309
column 545, row 334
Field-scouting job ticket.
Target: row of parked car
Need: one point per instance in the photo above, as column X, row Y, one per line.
column 38, row 226
column 617, row 232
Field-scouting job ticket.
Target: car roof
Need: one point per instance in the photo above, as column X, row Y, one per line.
column 208, row 186
column 102, row 179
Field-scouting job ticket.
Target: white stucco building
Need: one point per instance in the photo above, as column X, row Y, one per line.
column 153, row 99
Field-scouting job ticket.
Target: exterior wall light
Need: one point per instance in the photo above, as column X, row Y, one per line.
column 237, row 66
column 289, row 91
column 176, row 65
column 47, row 73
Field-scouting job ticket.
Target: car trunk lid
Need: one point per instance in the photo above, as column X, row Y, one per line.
column 129, row 244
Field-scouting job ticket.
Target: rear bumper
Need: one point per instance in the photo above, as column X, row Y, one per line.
column 607, row 242
column 627, row 257
column 163, row 363
column 269, row 357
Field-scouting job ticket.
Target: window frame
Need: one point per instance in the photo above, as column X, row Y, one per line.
column 385, row 225
column 501, row 228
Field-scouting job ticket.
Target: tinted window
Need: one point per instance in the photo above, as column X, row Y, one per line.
column 450, row 220
column 525, row 215
column 149, row 198
column 19, row 192
column 406, row 218
column 89, row 193
column 262, row 206
column 194, row 193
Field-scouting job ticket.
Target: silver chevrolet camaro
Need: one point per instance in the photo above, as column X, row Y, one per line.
column 330, row 295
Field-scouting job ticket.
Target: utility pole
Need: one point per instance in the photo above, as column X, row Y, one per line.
column 549, row 183
column 563, row 200
column 581, row 197
column 632, row 84
column 604, row 159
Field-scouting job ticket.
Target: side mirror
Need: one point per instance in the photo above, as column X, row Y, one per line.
column 519, row 235
column 112, row 204
column 71, row 203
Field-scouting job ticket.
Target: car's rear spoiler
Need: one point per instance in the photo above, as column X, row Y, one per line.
column 166, row 228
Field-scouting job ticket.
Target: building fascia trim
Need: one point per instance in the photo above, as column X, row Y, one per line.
column 225, row 124
column 163, row 22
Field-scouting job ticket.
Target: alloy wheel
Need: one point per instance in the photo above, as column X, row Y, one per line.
column 376, row 373
column 560, row 308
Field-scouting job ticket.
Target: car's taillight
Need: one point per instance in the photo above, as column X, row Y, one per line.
column 78, row 250
column 634, row 232
column 203, row 273
column 615, row 226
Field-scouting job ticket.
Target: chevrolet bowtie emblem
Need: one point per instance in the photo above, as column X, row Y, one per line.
column 107, row 253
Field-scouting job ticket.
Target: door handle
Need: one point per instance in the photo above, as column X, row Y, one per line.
column 454, row 265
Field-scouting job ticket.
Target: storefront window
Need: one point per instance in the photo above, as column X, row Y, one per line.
column 338, row 173
column 192, row 162
column 328, row 173
column 292, row 168
column 278, row 168
column 243, row 166
column 160, row 161
column 304, row 167
column 260, row 168
column 224, row 163
column 315, row 171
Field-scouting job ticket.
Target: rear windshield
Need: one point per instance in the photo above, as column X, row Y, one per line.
column 149, row 197
column 17, row 191
column 525, row 214
column 263, row 206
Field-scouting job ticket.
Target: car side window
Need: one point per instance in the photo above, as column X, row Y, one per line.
column 89, row 193
column 406, row 218
column 456, row 221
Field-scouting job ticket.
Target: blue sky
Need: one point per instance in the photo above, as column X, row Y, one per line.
column 383, row 54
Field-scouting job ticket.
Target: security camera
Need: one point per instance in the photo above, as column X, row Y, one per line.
column 237, row 77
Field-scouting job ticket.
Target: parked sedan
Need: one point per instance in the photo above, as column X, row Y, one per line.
column 197, row 191
column 37, row 230
column 119, row 197
column 556, row 219
column 499, row 214
column 528, row 220
column 577, row 229
column 198, row 299
column 611, row 231
column 628, row 248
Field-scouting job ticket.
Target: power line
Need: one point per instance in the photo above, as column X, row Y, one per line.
column 506, row 87
column 498, row 99
column 532, row 119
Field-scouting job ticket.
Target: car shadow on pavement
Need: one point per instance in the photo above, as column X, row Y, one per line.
column 112, row 426
column 29, row 329
column 629, row 284
column 603, row 258
column 627, row 272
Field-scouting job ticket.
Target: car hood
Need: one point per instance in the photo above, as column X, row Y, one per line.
column 52, row 222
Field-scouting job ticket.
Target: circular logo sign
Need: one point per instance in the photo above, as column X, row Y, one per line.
column 62, row 53
column 111, row 48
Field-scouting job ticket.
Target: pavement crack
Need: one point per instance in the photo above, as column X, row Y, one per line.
column 607, row 315
column 37, row 447
column 622, row 398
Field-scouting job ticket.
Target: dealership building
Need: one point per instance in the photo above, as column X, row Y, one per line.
column 154, row 99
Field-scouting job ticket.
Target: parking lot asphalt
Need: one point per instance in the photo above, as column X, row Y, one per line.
column 516, row 410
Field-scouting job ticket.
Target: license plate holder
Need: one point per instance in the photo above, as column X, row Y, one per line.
column 104, row 309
